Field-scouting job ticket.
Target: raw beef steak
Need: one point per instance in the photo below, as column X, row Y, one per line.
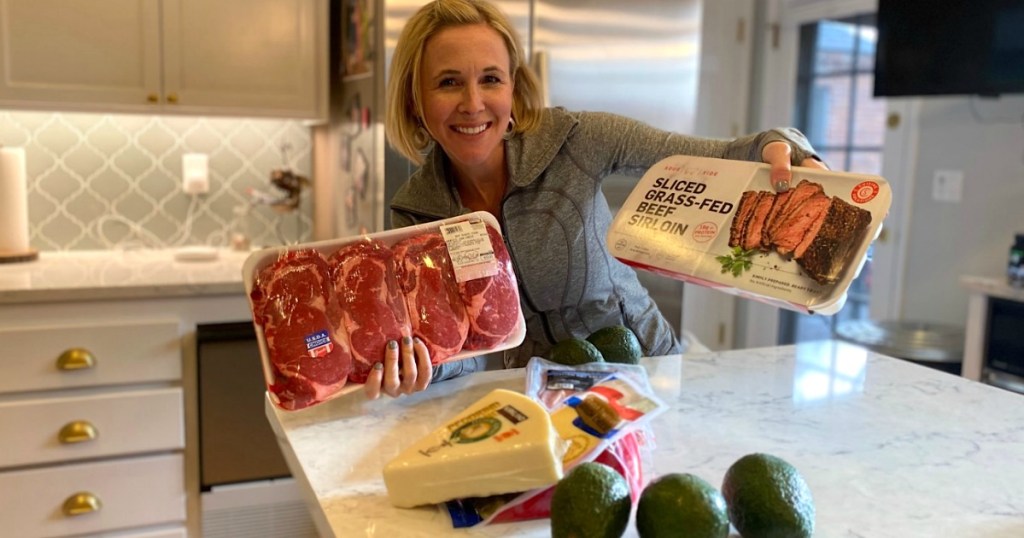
column 436, row 312
column 372, row 307
column 292, row 301
column 492, row 302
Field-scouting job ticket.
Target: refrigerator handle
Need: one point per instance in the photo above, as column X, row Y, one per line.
column 539, row 63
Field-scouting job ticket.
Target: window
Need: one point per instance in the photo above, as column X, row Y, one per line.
column 834, row 107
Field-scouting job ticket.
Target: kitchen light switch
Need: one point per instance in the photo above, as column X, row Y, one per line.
column 948, row 185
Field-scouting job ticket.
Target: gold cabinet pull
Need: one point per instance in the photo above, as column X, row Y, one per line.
column 172, row 98
column 81, row 503
column 76, row 358
column 77, row 431
column 152, row 98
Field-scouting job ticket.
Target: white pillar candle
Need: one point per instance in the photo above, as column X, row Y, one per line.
column 13, row 201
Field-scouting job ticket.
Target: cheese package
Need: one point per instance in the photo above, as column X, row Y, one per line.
column 502, row 443
column 606, row 422
column 719, row 223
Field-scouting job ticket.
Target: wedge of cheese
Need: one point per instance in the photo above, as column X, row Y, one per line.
column 503, row 443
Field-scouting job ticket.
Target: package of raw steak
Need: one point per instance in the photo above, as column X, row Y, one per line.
column 325, row 311
column 719, row 223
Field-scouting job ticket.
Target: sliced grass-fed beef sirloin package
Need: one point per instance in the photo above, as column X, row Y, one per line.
column 720, row 223
column 324, row 311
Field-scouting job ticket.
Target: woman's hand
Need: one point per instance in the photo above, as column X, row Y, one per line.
column 405, row 370
column 778, row 155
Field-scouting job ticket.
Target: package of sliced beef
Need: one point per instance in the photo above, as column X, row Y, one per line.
column 325, row 311
column 719, row 223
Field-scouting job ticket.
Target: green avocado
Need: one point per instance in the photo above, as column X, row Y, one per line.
column 768, row 498
column 617, row 343
column 590, row 501
column 681, row 505
column 574, row 351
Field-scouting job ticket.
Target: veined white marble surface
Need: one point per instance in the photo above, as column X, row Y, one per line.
column 889, row 448
column 118, row 274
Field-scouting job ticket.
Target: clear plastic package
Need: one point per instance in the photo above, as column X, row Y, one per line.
column 607, row 422
column 324, row 311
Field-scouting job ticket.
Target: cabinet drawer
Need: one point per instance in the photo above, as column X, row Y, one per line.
column 162, row 532
column 110, row 424
column 120, row 353
column 131, row 493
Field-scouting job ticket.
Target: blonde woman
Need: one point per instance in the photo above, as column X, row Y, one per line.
column 463, row 104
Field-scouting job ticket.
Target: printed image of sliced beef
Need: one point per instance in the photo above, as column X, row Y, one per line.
column 436, row 312
column 755, row 223
column 795, row 225
column 492, row 302
column 372, row 307
column 803, row 190
column 294, row 304
column 739, row 219
column 778, row 201
column 839, row 236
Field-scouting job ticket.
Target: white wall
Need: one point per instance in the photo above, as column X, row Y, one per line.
column 984, row 138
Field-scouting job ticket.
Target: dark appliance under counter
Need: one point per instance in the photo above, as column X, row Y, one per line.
column 994, row 347
column 246, row 487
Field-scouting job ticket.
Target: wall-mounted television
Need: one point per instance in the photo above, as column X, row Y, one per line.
column 950, row 47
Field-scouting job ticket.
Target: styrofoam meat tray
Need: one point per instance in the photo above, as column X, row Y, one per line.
column 261, row 259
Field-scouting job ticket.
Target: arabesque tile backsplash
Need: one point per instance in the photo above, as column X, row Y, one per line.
column 111, row 181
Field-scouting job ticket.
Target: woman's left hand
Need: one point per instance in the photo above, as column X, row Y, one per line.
column 779, row 154
column 405, row 370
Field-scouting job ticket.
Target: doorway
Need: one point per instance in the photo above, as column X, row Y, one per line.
column 814, row 69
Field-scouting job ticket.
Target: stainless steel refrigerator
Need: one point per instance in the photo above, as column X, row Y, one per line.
column 638, row 58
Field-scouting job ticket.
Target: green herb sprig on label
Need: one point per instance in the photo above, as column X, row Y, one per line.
column 737, row 262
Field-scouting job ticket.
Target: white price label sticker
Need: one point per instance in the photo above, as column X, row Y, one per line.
column 469, row 247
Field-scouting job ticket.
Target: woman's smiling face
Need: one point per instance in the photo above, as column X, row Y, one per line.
column 466, row 89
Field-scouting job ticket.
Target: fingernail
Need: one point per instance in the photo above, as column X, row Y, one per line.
column 406, row 340
column 391, row 345
column 417, row 340
column 781, row 184
column 380, row 365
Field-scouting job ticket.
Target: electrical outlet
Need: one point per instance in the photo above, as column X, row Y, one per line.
column 195, row 173
column 948, row 185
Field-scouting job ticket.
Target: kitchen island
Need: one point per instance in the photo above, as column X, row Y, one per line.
column 888, row 448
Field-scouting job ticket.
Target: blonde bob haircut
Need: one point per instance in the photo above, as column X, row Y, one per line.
column 402, row 124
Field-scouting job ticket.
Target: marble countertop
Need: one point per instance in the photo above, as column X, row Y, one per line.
column 994, row 286
column 889, row 448
column 118, row 274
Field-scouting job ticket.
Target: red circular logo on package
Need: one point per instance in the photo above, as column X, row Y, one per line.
column 865, row 191
column 704, row 232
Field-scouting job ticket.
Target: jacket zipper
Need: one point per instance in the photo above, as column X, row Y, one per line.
column 529, row 302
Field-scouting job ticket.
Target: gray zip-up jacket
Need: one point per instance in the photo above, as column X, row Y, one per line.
column 555, row 218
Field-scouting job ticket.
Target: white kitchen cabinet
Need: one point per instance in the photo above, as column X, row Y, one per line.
column 97, row 497
column 200, row 57
column 99, row 348
column 94, row 420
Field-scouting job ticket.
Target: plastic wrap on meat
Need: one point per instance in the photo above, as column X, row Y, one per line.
column 293, row 302
column 372, row 307
column 436, row 313
column 492, row 302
